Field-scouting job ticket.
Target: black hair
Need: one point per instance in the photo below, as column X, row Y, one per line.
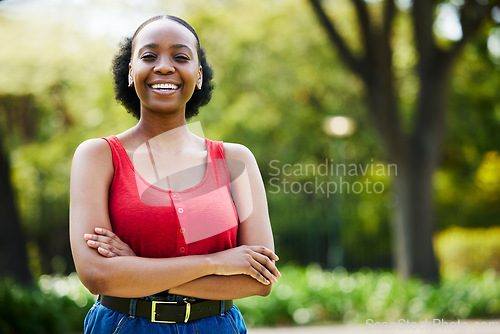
column 127, row 96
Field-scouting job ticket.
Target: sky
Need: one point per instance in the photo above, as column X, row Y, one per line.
column 113, row 18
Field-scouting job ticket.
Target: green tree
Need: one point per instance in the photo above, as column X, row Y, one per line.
column 467, row 184
column 417, row 152
column 13, row 255
column 50, row 102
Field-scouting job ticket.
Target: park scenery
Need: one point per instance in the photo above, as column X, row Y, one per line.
column 375, row 125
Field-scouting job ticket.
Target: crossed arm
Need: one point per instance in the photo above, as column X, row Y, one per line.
column 108, row 266
column 218, row 286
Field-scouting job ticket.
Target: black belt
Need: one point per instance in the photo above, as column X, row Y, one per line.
column 167, row 312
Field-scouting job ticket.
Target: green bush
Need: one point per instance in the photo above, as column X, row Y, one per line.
column 307, row 295
column 311, row 295
column 468, row 251
column 57, row 305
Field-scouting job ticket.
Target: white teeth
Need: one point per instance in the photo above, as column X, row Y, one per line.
column 164, row 86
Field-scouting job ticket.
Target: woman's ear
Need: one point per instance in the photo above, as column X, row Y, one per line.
column 130, row 77
column 199, row 83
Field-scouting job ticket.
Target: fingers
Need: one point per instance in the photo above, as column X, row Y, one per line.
column 103, row 249
column 102, row 235
column 268, row 267
column 266, row 257
column 263, row 268
column 258, row 276
column 103, row 231
column 95, row 241
column 107, row 243
column 105, row 237
column 105, row 252
column 265, row 276
column 266, row 251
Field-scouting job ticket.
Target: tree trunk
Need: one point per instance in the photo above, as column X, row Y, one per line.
column 416, row 156
column 13, row 254
column 414, row 216
column 413, row 222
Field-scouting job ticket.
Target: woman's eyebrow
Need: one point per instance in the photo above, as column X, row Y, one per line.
column 180, row 46
column 156, row 46
column 149, row 46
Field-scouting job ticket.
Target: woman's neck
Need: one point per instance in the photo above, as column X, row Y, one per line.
column 167, row 130
column 155, row 124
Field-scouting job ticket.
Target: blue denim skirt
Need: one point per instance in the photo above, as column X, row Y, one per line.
column 102, row 320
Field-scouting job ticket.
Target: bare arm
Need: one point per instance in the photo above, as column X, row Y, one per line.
column 131, row 276
column 222, row 287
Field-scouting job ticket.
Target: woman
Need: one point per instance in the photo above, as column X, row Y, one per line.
column 165, row 226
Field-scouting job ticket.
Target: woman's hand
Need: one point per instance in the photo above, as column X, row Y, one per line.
column 255, row 261
column 108, row 244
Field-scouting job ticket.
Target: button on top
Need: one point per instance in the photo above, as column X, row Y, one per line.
column 180, row 210
column 175, row 195
column 183, row 230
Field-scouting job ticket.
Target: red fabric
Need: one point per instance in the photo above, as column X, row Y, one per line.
column 160, row 223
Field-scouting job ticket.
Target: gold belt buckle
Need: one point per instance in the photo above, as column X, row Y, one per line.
column 153, row 311
column 188, row 310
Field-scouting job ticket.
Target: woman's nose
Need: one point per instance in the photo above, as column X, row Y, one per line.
column 164, row 66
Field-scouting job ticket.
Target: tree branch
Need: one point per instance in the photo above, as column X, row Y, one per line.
column 472, row 14
column 355, row 64
column 375, row 69
column 364, row 21
column 389, row 13
column 423, row 18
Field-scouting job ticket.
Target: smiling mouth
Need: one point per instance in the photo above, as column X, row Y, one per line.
column 164, row 87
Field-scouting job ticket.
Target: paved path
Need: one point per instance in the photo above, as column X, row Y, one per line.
column 451, row 327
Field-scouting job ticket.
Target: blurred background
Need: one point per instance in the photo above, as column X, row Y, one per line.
column 376, row 126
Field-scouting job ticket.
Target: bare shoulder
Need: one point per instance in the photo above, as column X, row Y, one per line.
column 93, row 156
column 238, row 152
column 95, row 149
column 240, row 159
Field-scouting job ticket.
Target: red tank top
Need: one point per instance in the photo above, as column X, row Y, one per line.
column 161, row 223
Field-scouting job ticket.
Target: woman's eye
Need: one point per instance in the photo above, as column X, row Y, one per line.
column 147, row 56
column 182, row 57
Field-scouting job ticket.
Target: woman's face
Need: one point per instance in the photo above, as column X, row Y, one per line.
column 164, row 67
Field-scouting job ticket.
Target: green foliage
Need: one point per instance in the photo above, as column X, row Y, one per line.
column 70, row 99
column 304, row 295
column 311, row 295
column 57, row 305
column 468, row 251
column 466, row 194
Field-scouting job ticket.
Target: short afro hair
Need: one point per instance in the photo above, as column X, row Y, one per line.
column 127, row 96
